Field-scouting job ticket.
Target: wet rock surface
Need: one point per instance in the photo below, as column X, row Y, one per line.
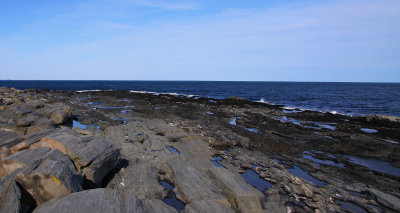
column 170, row 153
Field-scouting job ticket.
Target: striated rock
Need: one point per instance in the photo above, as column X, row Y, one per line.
column 141, row 179
column 40, row 125
column 19, row 110
column 52, row 179
column 8, row 139
column 198, row 179
column 59, row 116
column 386, row 199
column 28, row 120
column 35, row 104
column 27, row 158
column 19, row 147
column 10, row 195
column 44, row 173
column 95, row 157
column 208, row 206
column 154, row 205
column 7, row 101
column 95, row 200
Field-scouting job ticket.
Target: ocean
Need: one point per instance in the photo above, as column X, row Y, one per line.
column 344, row 98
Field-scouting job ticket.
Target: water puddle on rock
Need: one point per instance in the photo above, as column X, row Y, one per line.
column 306, row 124
column 311, row 156
column 171, row 197
column 124, row 121
column 172, row 150
column 375, row 165
column 233, row 121
column 209, row 113
column 370, row 131
column 126, row 100
column 391, row 141
column 350, row 206
column 216, row 161
column 83, row 126
column 79, row 125
column 253, row 179
column 355, row 194
column 125, row 111
column 297, row 171
column 290, row 111
column 252, row 130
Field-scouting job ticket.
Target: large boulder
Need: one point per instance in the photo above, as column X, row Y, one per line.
column 96, row 200
column 154, row 205
column 208, row 206
column 59, row 116
column 95, row 157
column 10, row 195
column 386, row 199
column 24, row 159
column 199, row 180
column 140, row 178
column 8, row 139
column 52, row 179
column 44, row 173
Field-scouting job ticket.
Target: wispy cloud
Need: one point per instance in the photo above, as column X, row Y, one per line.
column 165, row 4
column 334, row 41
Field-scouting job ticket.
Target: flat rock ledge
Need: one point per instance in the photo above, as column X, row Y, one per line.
column 119, row 151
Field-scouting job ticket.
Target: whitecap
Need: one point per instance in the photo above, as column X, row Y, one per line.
column 93, row 90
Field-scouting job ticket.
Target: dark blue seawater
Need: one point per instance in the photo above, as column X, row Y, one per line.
column 346, row 98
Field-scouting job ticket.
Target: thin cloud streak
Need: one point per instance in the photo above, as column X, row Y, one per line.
column 341, row 41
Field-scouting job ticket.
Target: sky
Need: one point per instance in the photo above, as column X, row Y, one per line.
column 229, row 40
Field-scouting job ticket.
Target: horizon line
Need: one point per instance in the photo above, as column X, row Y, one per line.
column 387, row 82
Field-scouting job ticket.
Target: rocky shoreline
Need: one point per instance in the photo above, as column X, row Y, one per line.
column 121, row 151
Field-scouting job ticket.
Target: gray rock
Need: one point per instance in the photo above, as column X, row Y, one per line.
column 35, row 104
column 10, row 195
column 8, row 139
column 31, row 159
column 175, row 136
column 27, row 158
column 20, row 110
column 386, row 199
column 40, row 125
column 141, row 179
column 59, row 116
column 154, row 205
column 208, row 206
column 7, row 117
column 8, row 101
column 28, row 120
column 52, row 179
column 95, row 200
column 198, row 179
column 36, row 136
column 95, row 157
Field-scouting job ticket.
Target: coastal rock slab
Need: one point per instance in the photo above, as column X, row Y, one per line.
column 208, row 206
column 95, row 200
column 95, row 157
column 154, row 205
column 10, row 195
column 28, row 158
column 386, row 199
column 52, row 179
column 141, row 179
column 8, row 139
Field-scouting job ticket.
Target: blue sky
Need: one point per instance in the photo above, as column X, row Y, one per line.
column 270, row 40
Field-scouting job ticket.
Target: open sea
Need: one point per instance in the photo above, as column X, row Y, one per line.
column 345, row 98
